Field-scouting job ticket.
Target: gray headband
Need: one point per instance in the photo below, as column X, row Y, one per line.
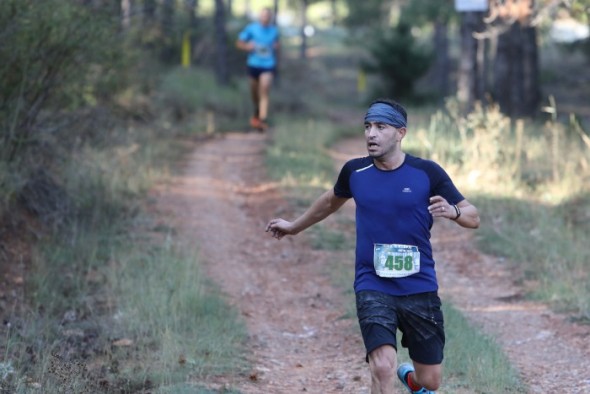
column 385, row 113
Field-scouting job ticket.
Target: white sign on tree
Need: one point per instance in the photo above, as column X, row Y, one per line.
column 471, row 5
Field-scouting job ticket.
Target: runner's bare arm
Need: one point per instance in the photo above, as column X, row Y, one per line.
column 466, row 214
column 469, row 215
column 245, row 45
column 321, row 208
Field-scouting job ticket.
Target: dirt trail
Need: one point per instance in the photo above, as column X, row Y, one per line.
column 298, row 341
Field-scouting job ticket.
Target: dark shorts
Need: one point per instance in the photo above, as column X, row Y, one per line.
column 255, row 72
column 419, row 317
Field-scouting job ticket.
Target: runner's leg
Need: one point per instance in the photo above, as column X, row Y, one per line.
column 383, row 364
column 428, row 376
column 255, row 95
column 422, row 313
column 265, row 81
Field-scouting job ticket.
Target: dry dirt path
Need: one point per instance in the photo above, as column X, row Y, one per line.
column 297, row 339
column 299, row 342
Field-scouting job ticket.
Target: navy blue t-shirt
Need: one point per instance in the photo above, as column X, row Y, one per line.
column 392, row 208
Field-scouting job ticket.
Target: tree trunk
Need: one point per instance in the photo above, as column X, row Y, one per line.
column 334, row 12
column 275, row 11
column 531, row 71
column 517, row 65
column 303, row 46
column 191, row 9
column 221, row 69
column 503, row 73
column 486, row 46
column 468, row 83
column 482, row 58
column 442, row 60
column 167, row 28
column 167, row 15
column 126, row 7
column 516, row 71
column 149, row 12
column 248, row 9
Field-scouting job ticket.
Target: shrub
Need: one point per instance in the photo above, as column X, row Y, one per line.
column 57, row 55
column 398, row 60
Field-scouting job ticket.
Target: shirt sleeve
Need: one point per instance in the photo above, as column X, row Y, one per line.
column 442, row 185
column 246, row 34
column 342, row 186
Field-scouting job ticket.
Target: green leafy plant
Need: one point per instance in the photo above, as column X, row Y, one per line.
column 398, row 59
column 57, row 55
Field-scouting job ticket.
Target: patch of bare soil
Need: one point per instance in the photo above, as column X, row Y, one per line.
column 297, row 337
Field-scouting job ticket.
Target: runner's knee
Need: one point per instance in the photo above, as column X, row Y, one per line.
column 383, row 372
column 382, row 362
column 428, row 376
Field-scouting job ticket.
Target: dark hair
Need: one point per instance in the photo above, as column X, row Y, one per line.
column 397, row 106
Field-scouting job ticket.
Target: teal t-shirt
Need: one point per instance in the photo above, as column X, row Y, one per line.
column 264, row 37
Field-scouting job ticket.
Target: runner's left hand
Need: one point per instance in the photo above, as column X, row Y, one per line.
column 440, row 208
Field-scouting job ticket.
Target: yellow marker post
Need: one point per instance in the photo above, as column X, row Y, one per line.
column 361, row 83
column 186, row 50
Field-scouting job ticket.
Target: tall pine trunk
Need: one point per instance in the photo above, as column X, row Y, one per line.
column 333, row 12
column 275, row 8
column 167, row 28
column 516, row 71
column 532, row 92
column 149, row 13
column 303, row 46
column 470, row 65
column 516, row 65
column 442, row 60
column 221, row 51
column 126, row 11
column 191, row 8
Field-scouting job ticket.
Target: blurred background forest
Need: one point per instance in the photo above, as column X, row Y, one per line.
column 97, row 94
column 68, row 65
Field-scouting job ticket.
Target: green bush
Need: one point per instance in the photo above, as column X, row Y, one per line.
column 57, row 56
column 530, row 183
column 115, row 272
column 191, row 90
column 399, row 60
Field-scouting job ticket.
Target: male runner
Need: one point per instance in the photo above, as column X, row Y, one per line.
column 261, row 40
column 397, row 198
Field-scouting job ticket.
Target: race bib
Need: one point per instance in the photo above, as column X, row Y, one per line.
column 263, row 50
column 395, row 260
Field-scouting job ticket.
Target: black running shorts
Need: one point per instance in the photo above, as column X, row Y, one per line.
column 255, row 72
column 418, row 316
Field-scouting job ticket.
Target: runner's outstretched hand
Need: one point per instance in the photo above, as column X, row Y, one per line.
column 279, row 228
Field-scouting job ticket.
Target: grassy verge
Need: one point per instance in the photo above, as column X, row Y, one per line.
column 298, row 158
column 474, row 360
column 115, row 303
column 167, row 307
column 530, row 181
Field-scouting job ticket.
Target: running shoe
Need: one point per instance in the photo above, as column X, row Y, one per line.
column 255, row 122
column 263, row 125
column 402, row 373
